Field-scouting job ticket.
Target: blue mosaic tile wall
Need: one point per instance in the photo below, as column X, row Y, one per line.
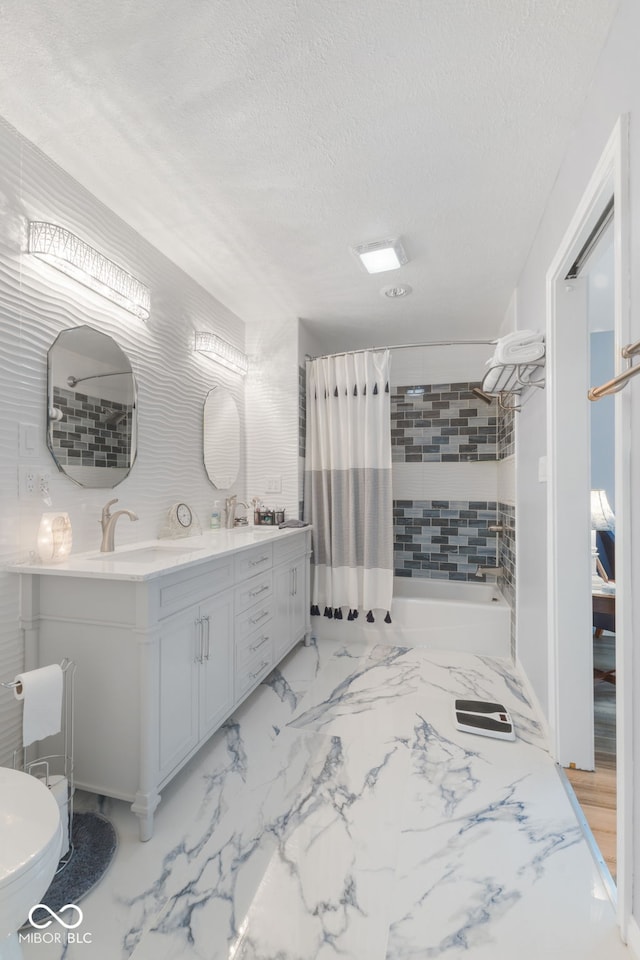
column 93, row 432
column 442, row 423
column 443, row 539
column 506, row 434
column 507, row 560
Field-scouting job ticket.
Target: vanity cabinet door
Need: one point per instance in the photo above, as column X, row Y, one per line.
column 283, row 584
column 291, row 605
column 216, row 675
column 300, row 599
column 196, row 678
column 179, row 651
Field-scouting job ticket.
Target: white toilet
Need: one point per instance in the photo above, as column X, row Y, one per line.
column 30, row 845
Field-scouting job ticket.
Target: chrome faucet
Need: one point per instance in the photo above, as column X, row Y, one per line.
column 108, row 522
column 230, row 505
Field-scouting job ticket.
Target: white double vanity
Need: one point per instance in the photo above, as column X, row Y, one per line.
column 169, row 637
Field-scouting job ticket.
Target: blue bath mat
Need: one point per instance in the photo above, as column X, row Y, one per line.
column 94, row 844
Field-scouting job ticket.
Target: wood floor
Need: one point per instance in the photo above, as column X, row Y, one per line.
column 596, row 790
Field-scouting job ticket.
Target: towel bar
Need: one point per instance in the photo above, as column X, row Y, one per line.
column 621, row 379
column 510, row 380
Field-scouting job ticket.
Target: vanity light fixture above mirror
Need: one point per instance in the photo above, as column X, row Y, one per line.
column 221, row 351
column 63, row 250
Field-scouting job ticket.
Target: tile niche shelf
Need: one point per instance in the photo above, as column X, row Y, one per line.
column 506, row 381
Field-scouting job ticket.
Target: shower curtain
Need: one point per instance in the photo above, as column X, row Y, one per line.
column 348, row 496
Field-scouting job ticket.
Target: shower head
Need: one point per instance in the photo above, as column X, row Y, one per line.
column 115, row 417
column 480, row 393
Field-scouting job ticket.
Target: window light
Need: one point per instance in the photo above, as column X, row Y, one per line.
column 67, row 253
column 381, row 255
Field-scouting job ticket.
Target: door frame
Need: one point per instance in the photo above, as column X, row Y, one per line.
column 568, row 523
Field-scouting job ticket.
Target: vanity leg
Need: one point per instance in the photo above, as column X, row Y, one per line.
column 144, row 807
column 307, row 639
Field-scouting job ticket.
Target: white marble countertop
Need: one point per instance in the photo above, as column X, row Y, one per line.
column 149, row 559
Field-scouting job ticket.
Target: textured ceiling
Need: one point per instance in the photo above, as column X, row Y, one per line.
column 252, row 141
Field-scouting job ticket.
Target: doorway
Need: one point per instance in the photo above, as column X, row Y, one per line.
column 596, row 789
column 569, row 602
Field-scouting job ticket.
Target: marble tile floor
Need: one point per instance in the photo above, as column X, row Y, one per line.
column 340, row 814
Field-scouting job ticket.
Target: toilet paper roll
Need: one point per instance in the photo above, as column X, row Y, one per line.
column 41, row 691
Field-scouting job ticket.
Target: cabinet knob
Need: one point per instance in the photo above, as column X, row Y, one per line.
column 256, row 593
column 254, row 563
column 264, row 664
column 261, row 641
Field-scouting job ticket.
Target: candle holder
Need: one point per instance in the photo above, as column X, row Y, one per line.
column 54, row 537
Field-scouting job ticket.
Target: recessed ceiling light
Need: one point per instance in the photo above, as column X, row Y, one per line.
column 381, row 255
column 394, row 293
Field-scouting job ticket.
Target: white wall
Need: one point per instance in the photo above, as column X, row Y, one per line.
column 271, row 393
column 37, row 303
column 615, row 91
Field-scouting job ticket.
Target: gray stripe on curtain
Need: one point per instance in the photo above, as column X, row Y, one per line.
column 357, row 501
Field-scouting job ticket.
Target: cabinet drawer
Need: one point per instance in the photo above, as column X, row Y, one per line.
column 251, row 562
column 257, row 644
column 291, row 546
column 253, row 591
column 253, row 619
column 252, row 672
column 180, row 590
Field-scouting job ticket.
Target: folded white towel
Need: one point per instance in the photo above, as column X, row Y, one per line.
column 491, row 379
column 522, row 336
column 518, row 352
column 521, row 346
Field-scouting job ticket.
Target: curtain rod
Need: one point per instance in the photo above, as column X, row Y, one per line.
column 404, row 346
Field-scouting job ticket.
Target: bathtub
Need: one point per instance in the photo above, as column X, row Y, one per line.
column 438, row 614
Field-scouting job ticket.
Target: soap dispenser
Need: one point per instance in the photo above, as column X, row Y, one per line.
column 215, row 516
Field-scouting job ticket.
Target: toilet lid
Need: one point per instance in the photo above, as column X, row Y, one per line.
column 29, row 821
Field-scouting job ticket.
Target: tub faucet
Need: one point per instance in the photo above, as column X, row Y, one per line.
column 492, row 571
column 108, row 522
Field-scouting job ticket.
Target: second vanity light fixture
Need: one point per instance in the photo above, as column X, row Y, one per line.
column 71, row 255
column 213, row 346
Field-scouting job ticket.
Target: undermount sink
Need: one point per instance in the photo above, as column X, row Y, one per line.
column 144, row 554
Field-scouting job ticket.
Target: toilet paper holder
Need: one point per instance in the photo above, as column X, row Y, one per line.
column 55, row 769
